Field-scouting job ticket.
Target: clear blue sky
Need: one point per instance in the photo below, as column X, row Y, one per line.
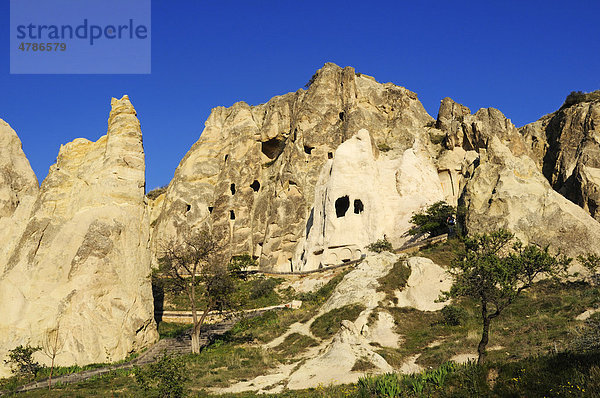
column 522, row 57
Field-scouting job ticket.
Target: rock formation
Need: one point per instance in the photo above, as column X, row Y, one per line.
column 82, row 263
column 18, row 190
column 569, row 152
column 363, row 195
column 511, row 192
column 252, row 174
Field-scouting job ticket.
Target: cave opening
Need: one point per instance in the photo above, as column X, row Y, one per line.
column 226, row 157
column 308, row 149
column 188, row 208
column 358, row 206
column 273, row 147
column 341, row 116
column 329, row 155
column 232, row 188
column 231, row 215
column 341, row 206
column 255, row 185
column 210, row 209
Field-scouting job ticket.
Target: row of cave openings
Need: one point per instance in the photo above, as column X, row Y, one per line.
column 274, row 147
column 342, row 204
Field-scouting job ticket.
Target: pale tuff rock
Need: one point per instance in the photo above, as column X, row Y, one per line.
column 569, row 152
column 82, row 263
column 473, row 131
column 18, row 190
column 252, row 174
column 425, row 284
column 335, row 363
column 362, row 196
column 510, row 192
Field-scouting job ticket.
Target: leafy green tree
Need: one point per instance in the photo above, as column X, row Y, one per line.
column 434, row 220
column 167, row 377
column 21, row 361
column 495, row 273
column 194, row 261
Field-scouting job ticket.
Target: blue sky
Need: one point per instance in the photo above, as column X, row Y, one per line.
column 522, row 57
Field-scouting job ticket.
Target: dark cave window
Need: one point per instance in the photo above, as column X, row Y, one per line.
column 226, row 157
column 358, row 206
column 308, row 149
column 273, row 147
column 188, row 208
column 231, row 215
column 255, row 185
column 342, row 116
column 232, row 188
column 341, row 206
column 210, row 209
column 329, row 155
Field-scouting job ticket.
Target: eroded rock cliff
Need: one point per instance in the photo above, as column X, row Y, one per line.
column 252, row 174
column 82, row 262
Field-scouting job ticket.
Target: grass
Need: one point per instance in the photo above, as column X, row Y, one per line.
column 167, row 329
column 395, row 280
column 294, row 344
column 328, row 324
column 538, row 322
column 362, row 365
column 444, row 252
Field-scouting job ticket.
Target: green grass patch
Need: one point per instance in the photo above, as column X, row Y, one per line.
column 328, row 324
column 168, row 329
column 362, row 365
column 444, row 252
column 395, row 280
column 294, row 344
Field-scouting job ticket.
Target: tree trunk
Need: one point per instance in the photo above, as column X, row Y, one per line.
column 484, row 335
column 51, row 371
column 195, row 334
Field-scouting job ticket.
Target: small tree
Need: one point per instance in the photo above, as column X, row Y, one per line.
column 21, row 361
column 493, row 273
column 434, row 220
column 194, row 262
column 52, row 345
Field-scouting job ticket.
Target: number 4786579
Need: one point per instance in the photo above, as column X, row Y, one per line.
column 43, row 46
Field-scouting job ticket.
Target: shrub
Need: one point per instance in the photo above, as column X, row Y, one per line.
column 262, row 287
column 453, row 315
column 587, row 337
column 167, row 377
column 382, row 245
column 579, row 96
column 384, row 147
column 21, row 361
column 396, row 279
column 155, row 193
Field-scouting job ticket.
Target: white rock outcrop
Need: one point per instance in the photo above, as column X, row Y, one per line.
column 82, row 263
column 363, row 195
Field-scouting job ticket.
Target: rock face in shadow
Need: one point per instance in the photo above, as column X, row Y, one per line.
column 511, row 192
column 82, row 262
column 569, row 152
column 18, row 190
column 252, row 174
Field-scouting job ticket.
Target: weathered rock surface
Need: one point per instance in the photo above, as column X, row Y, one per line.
column 363, row 195
column 252, row 174
column 18, row 190
column 425, row 284
column 82, row 264
column 569, row 152
column 510, row 192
